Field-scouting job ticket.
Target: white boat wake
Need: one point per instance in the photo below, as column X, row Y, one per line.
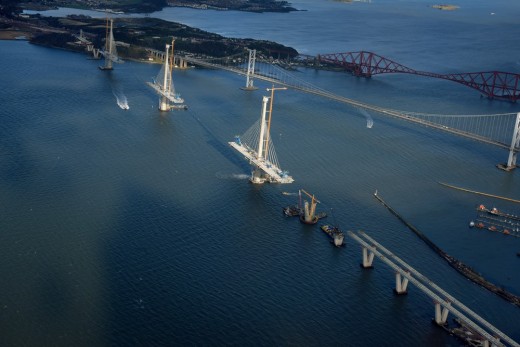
column 370, row 121
column 232, row 176
column 121, row 99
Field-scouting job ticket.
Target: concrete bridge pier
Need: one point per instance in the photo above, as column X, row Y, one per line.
column 368, row 258
column 400, row 285
column 441, row 314
column 164, row 104
column 95, row 53
column 90, row 47
column 180, row 63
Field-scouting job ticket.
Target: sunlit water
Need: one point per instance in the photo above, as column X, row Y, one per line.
column 135, row 227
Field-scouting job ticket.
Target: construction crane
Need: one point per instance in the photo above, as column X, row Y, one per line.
column 308, row 216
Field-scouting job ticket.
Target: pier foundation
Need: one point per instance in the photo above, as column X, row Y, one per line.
column 257, row 176
column 400, row 284
column 164, row 104
column 441, row 314
column 368, row 258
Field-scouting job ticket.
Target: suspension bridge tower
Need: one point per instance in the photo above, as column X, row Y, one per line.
column 257, row 147
column 515, row 144
column 250, row 71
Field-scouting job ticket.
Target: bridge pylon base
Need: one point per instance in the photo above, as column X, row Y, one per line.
column 504, row 167
column 249, row 89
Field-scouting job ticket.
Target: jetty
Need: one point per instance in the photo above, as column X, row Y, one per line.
column 462, row 268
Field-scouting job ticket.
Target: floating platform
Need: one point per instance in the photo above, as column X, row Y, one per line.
column 334, row 233
column 495, row 227
column 496, row 212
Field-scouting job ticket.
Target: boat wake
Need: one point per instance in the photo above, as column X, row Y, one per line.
column 224, row 176
column 121, row 100
column 370, row 121
column 287, row 193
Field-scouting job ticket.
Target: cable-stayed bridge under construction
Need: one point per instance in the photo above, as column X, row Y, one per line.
column 500, row 130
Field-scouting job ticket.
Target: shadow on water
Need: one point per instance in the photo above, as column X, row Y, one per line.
column 222, row 148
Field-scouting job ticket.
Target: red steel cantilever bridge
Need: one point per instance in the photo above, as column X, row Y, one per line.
column 493, row 84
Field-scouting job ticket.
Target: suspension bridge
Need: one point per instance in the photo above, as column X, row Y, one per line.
column 500, row 130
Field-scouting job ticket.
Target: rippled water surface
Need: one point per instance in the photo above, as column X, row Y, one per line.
column 133, row 227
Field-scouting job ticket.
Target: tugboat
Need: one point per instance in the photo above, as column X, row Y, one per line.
column 334, row 233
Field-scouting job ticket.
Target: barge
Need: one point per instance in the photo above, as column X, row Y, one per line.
column 334, row 233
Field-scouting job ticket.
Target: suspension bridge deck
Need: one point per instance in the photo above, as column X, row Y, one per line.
column 310, row 89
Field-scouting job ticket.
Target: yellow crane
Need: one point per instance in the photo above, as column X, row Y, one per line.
column 309, row 216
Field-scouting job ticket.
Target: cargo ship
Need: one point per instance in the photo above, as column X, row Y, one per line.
column 334, row 233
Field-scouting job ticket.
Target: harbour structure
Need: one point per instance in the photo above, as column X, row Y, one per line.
column 110, row 51
column 257, row 147
column 163, row 84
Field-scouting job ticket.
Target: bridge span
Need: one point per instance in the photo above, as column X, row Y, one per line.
column 493, row 84
column 504, row 134
column 444, row 303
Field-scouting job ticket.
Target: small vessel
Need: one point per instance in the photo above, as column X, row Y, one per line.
column 334, row 233
column 291, row 211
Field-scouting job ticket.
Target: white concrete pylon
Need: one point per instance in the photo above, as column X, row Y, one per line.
column 400, row 284
column 368, row 258
column 441, row 314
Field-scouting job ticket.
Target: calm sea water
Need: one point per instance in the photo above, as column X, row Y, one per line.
column 140, row 228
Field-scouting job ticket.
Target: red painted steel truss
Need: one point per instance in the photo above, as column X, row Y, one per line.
column 494, row 84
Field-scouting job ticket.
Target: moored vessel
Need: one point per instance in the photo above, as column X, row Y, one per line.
column 334, row 233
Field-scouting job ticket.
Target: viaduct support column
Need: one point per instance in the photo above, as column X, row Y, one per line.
column 441, row 314
column 511, row 161
column 400, row 285
column 368, row 258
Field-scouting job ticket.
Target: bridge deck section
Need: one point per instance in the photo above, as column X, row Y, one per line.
column 273, row 171
column 427, row 289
